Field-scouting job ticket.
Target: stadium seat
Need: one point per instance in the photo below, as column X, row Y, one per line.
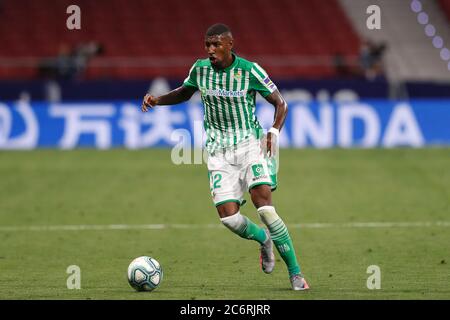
column 163, row 29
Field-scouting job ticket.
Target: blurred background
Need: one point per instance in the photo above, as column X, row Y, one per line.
column 315, row 51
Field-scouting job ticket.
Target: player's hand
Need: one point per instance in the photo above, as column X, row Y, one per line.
column 272, row 144
column 148, row 102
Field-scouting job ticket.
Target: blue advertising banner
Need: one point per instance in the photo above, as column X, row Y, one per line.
column 114, row 89
column 103, row 125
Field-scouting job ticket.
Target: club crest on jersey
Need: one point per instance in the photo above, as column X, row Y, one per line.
column 238, row 75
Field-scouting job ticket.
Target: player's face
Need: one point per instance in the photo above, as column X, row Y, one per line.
column 219, row 49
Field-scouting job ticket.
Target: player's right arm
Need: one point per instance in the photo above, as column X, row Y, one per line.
column 176, row 96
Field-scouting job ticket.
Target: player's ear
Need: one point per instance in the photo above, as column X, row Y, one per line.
column 231, row 43
column 229, row 40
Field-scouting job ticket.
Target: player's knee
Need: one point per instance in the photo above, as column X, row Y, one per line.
column 267, row 214
column 261, row 195
column 227, row 209
column 234, row 222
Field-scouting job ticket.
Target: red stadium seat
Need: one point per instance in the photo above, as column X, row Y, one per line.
column 164, row 29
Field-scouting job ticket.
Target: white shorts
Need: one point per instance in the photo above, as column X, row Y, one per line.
column 234, row 171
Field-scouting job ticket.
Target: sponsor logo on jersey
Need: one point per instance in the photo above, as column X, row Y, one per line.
column 258, row 170
column 223, row 93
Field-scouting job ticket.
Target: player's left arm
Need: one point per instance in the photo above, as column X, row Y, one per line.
column 281, row 110
column 260, row 81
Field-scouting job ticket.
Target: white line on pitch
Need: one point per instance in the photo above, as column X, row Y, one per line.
column 209, row 226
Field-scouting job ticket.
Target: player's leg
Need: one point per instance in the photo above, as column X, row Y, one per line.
column 260, row 183
column 227, row 194
column 254, row 172
column 261, row 196
column 247, row 229
column 239, row 224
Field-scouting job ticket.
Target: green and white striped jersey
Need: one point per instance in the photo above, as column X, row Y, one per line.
column 229, row 97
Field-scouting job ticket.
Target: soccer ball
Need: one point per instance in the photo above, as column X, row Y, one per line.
column 144, row 274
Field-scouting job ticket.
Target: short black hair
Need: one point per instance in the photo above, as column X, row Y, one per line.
column 217, row 29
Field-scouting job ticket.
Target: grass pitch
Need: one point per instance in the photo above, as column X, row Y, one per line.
column 43, row 192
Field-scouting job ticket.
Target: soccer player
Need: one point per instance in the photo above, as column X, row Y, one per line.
column 237, row 162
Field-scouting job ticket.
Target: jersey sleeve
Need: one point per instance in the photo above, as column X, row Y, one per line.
column 260, row 81
column 191, row 79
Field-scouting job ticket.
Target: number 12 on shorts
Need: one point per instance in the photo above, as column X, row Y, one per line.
column 214, row 180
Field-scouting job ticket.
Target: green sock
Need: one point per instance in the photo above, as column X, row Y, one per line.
column 283, row 243
column 244, row 227
column 253, row 232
